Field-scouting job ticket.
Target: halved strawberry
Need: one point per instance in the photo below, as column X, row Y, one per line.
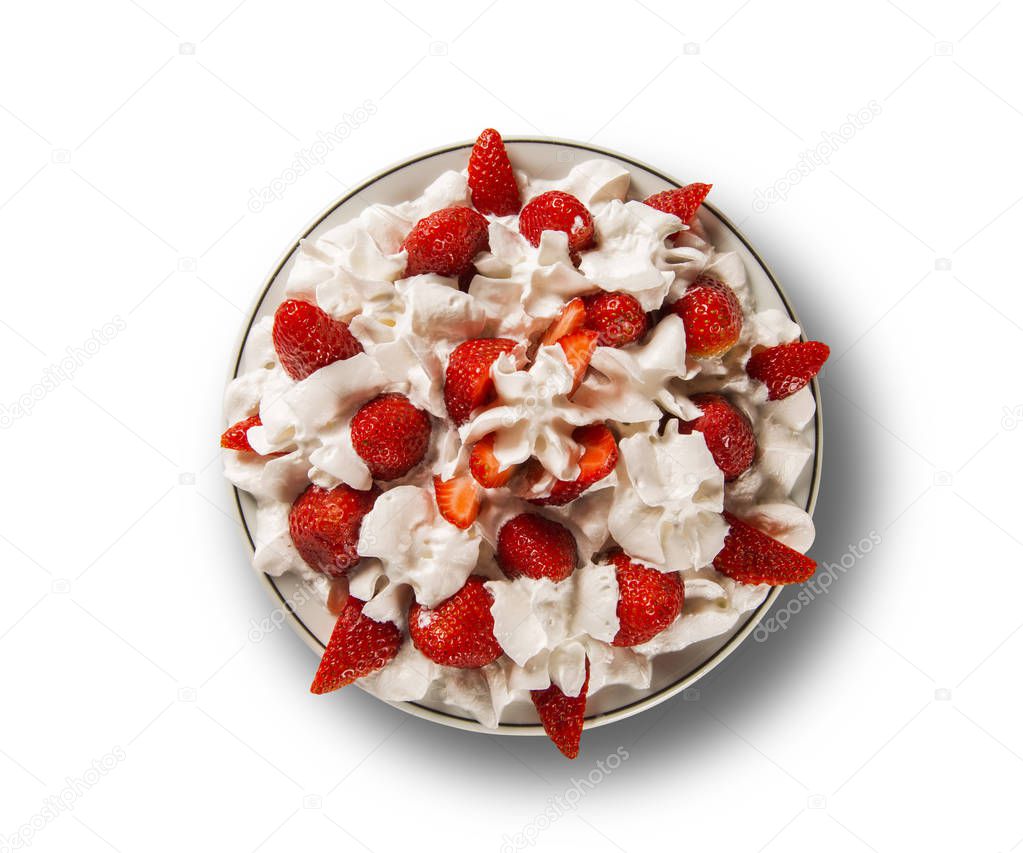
column 682, row 202
column 752, row 557
column 562, row 716
column 236, row 437
column 459, row 631
column 579, row 348
column 484, row 465
column 571, row 318
column 358, row 646
column 467, row 381
column 458, row 499
column 787, row 368
column 445, row 242
column 712, row 316
column 600, row 455
column 491, row 178
column 307, row 338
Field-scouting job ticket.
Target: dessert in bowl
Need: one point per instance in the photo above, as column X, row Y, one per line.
column 523, row 437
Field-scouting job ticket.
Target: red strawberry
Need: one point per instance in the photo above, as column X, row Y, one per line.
column 484, row 465
column 712, row 316
column 307, row 338
column 727, row 431
column 390, row 435
column 445, row 242
column 324, row 525
column 682, row 202
column 358, row 646
column 536, row 547
column 562, row 716
column 458, row 500
column 579, row 348
column 572, row 316
column 467, row 382
column 648, row 600
column 491, row 178
column 557, row 211
column 752, row 557
column 787, row 368
column 618, row 317
column 460, row 630
column 600, row 455
column 236, row 437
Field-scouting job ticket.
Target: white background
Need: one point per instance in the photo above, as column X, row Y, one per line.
column 884, row 717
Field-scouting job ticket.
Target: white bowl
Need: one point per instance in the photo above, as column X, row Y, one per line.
column 551, row 158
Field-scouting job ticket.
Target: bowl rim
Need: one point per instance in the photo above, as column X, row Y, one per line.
column 685, row 681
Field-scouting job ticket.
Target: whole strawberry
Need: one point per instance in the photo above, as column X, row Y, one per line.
column 445, row 242
column 712, row 316
column 787, row 368
column 648, row 600
column 618, row 317
column 459, row 631
column 535, row 547
column 600, row 455
column 306, row 338
column 467, row 380
column 324, row 526
column 557, row 211
column 562, row 716
column 358, row 646
column 491, row 178
column 752, row 557
column 682, row 202
column 727, row 431
column 390, row 435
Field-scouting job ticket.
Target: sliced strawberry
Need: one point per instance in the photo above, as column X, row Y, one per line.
column 307, row 338
column 562, row 716
column 579, row 348
column 467, row 381
column 236, row 437
column 618, row 317
column 484, row 465
column 600, row 455
column 787, row 368
column 535, row 547
column 712, row 317
column 682, row 202
column 458, row 500
column 727, row 431
column 390, row 435
column 459, row 631
column 648, row 600
column 445, row 242
column 491, row 178
column 572, row 316
column 752, row 557
column 358, row 646
column 324, row 526
column 557, row 211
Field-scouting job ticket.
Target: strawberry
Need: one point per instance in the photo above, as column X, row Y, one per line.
column 445, row 242
column 712, row 316
column 787, row 368
column 648, row 600
column 484, row 465
column 557, row 211
column 727, row 431
column 536, row 547
column 491, row 178
column 618, row 317
column 600, row 455
column 467, row 381
column 358, row 646
column 460, row 630
column 236, row 437
column 390, row 435
column 682, row 202
column 579, row 348
column 572, row 316
column 324, row 525
column 307, row 338
column 751, row 556
column 458, row 500
column 561, row 715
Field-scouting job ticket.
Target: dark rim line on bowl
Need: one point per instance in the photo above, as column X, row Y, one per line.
column 752, row 620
